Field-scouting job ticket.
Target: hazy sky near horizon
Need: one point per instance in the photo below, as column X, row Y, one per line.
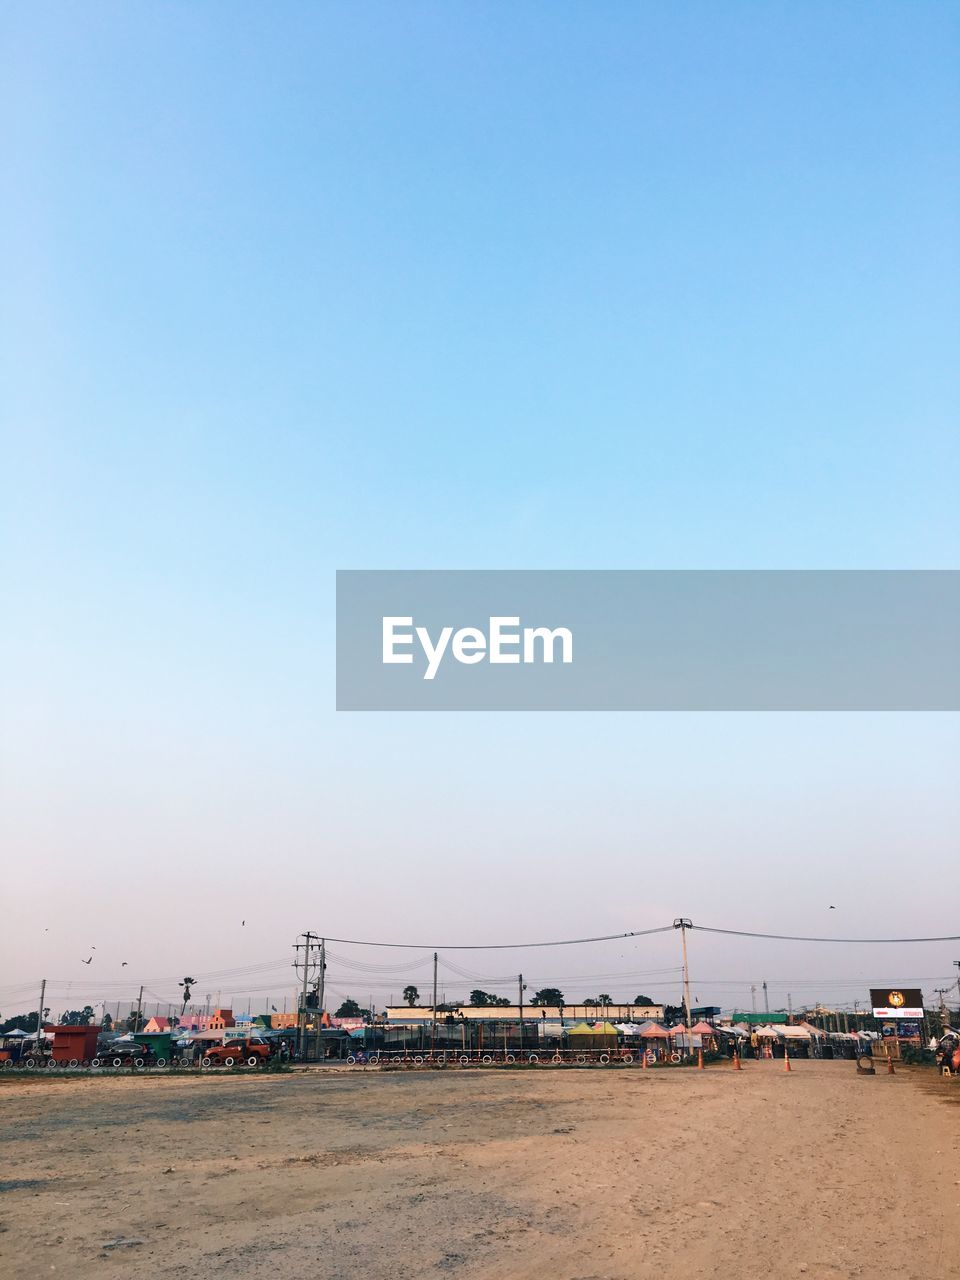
column 308, row 287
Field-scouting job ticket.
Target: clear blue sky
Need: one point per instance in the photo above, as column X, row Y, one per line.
column 297, row 287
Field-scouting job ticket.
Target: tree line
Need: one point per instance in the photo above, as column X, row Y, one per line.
column 546, row 997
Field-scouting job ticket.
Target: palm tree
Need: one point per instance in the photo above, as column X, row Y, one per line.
column 411, row 995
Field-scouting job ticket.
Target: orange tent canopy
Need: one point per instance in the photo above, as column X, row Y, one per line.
column 655, row 1032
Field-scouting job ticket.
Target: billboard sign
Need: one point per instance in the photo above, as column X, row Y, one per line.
column 897, row 1002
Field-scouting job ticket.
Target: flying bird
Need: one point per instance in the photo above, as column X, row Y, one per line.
column 832, row 908
column 242, row 923
column 123, row 964
column 87, row 961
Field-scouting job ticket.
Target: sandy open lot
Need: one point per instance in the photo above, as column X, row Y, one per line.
column 577, row 1175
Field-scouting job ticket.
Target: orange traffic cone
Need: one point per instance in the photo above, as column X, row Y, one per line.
column 786, row 1061
column 644, row 1060
column 699, row 1059
column 890, row 1070
column 736, row 1062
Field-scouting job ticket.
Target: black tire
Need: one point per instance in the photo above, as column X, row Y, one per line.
column 351, row 1059
column 464, row 1060
column 230, row 1062
column 487, row 1060
column 510, row 1058
column 139, row 1062
column 206, row 1062
column 52, row 1064
column 533, row 1057
column 118, row 1062
column 581, row 1059
column 253, row 1061
column 627, row 1057
column 557, row 1058
column 604, row 1059
column 30, row 1064
column 97, row 1062
column 74, row 1062
column 8, row 1063
column 160, row 1062
column 418, row 1059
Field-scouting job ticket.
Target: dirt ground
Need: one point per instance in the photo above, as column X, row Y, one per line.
column 572, row 1174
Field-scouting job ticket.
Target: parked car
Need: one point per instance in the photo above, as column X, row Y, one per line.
column 236, row 1053
column 122, row 1053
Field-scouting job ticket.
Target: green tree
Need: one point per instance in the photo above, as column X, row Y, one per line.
column 590, row 1002
column 643, row 1000
column 186, row 983
column 349, row 1009
column 551, row 996
column 479, row 999
column 77, row 1017
column 411, row 995
column 20, row 1022
column 604, row 999
column 107, row 1023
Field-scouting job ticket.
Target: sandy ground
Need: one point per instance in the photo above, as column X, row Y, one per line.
column 575, row 1175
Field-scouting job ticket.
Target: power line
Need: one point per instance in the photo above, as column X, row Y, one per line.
column 505, row 946
column 785, row 937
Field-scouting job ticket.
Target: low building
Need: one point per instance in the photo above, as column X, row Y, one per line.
column 552, row 1017
column 156, row 1025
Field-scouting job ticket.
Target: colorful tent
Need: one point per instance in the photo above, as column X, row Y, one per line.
column 602, row 1035
column 655, row 1032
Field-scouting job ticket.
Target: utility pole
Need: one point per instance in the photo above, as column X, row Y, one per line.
column 323, row 970
column 789, row 1006
column 753, row 997
column 433, row 1031
column 136, row 1025
column 320, row 991
column 683, row 924
column 520, row 1006
column 43, row 992
column 766, row 998
column 944, row 1020
column 308, row 939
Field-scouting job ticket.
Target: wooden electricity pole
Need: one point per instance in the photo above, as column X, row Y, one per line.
column 43, row 992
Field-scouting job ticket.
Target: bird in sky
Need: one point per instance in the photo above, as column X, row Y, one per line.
column 87, row 961
column 833, row 908
column 123, row 964
column 242, row 923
